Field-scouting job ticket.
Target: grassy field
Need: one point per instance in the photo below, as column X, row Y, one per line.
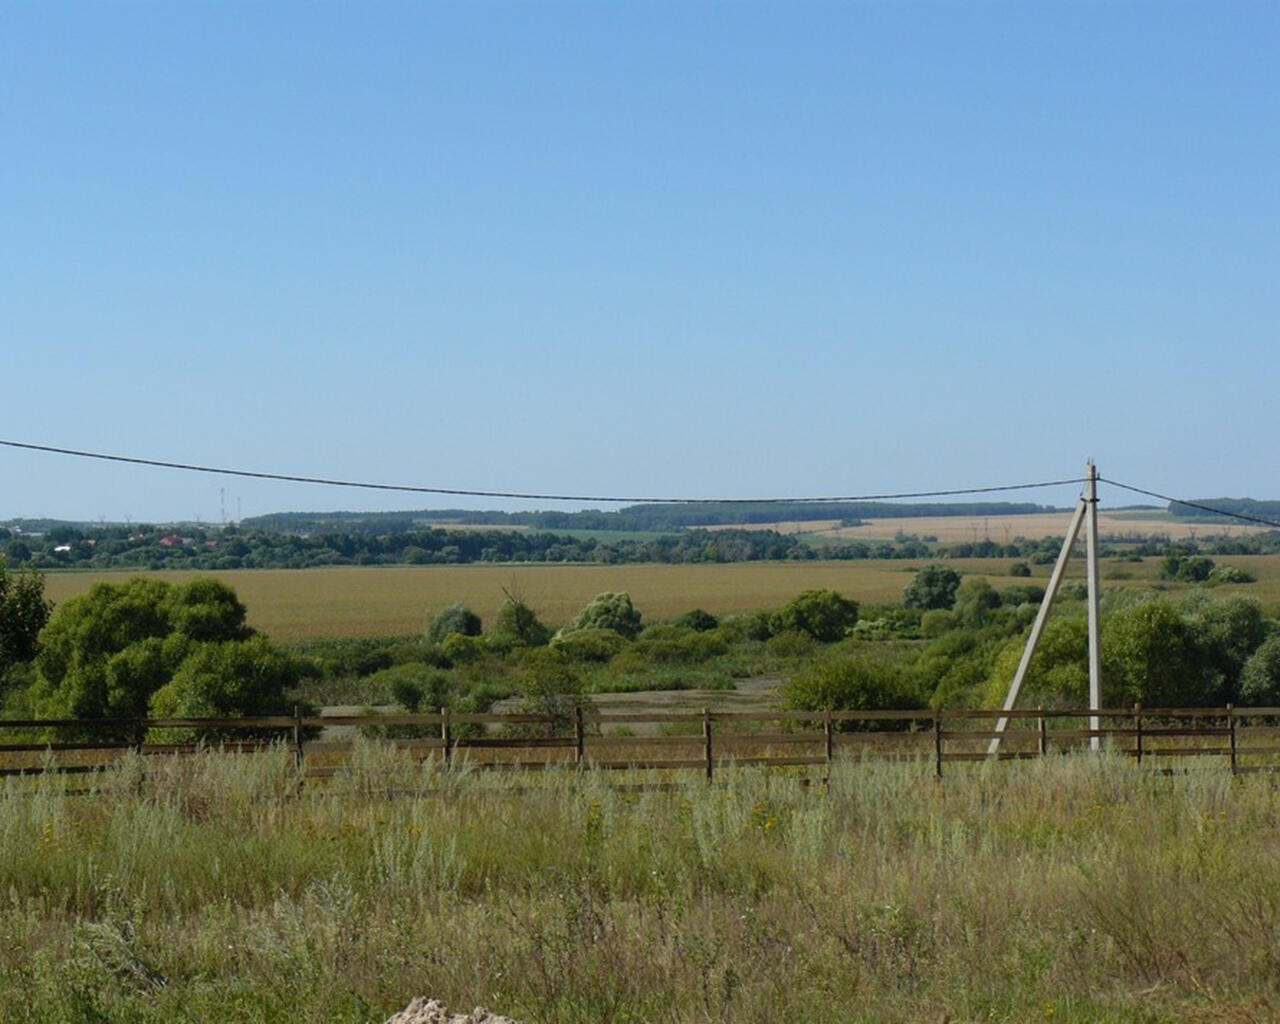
column 295, row 604
column 212, row 889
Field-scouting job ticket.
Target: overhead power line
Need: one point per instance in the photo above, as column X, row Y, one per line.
column 1193, row 504
column 612, row 499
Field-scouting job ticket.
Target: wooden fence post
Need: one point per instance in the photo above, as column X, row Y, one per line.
column 1137, row 730
column 937, row 744
column 579, row 736
column 1044, row 733
column 297, row 737
column 445, row 736
column 706, row 743
column 828, row 738
column 139, row 734
column 1231, row 726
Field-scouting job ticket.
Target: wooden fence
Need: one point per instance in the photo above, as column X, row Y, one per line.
column 1246, row 739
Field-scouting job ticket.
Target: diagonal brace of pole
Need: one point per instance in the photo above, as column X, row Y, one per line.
column 1037, row 627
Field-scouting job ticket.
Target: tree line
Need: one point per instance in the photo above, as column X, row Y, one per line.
column 154, row 547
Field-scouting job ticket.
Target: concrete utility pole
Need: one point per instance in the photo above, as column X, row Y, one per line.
column 1087, row 513
column 1095, row 586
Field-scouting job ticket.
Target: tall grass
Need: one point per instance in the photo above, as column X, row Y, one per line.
column 215, row 888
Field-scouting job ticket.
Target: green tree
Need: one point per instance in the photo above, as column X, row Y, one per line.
column 1150, row 655
column 1260, row 679
column 934, row 586
column 107, row 653
column 517, row 624
column 976, row 603
column 24, row 611
column 228, row 679
column 822, row 614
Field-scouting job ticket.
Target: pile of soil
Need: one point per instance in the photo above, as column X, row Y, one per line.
column 431, row 1011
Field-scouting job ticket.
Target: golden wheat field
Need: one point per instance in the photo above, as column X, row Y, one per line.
column 294, row 604
column 1005, row 529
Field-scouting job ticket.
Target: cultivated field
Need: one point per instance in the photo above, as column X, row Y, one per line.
column 296, row 604
column 1005, row 529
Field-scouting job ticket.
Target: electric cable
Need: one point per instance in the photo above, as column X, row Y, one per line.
column 457, row 491
column 1191, row 504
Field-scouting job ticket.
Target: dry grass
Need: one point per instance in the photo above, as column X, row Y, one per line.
column 212, row 889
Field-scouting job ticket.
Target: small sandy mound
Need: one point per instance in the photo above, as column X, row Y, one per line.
column 431, row 1011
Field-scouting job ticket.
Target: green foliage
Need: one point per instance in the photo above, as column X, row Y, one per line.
column 1260, row 678
column 976, row 603
column 550, row 685
column 934, row 586
column 888, row 621
column 1186, row 568
column 1231, row 574
column 1019, row 569
column 1022, row 593
column 463, row 650
column 226, row 679
column 1058, row 675
column 1227, row 630
column 672, row 645
column 698, row 619
column 608, row 611
column 1151, row 655
column 23, row 613
column 866, row 680
column 457, row 619
column 146, row 646
column 822, row 614
column 591, row 644
column 517, row 625
column 791, row 645
column 746, row 626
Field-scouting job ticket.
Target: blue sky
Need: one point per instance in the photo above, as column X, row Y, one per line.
column 686, row 249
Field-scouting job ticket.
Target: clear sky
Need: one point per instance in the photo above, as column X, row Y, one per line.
column 649, row 248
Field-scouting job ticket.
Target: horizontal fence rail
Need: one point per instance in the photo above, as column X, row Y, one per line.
column 1246, row 739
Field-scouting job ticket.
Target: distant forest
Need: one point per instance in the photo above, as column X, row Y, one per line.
column 640, row 533
column 648, row 518
column 152, row 547
column 1240, row 506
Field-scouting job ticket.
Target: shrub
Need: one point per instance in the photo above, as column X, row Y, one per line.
column 456, row 619
column 934, row 586
column 791, row 644
column 699, row 620
column 550, row 686
column 463, row 650
column 746, row 626
column 1019, row 569
column 592, row 644
column 976, row 602
column 222, row 680
column 822, row 614
column 608, row 611
column 517, row 625
column 1231, row 574
column 864, row 681
column 1022, row 593
column 1260, row 679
